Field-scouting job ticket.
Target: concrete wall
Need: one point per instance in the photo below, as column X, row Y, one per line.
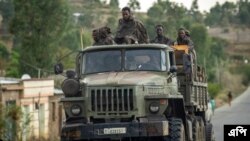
column 56, row 117
column 33, row 96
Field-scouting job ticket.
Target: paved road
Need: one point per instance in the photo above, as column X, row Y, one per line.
column 238, row 113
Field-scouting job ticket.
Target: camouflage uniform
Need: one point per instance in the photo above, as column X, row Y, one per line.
column 162, row 40
column 131, row 31
column 102, row 36
column 185, row 41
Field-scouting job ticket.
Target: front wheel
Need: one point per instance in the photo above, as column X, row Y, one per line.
column 176, row 130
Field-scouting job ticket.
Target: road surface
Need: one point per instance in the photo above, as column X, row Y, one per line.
column 238, row 113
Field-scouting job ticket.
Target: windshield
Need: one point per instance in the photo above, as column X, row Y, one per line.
column 102, row 61
column 141, row 59
column 134, row 60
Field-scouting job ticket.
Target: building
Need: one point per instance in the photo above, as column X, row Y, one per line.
column 34, row 96
column 56, row 116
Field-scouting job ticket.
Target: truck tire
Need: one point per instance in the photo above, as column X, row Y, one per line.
column 210, row 132
column 176, row 130
column 196, row 128
column 202, row 129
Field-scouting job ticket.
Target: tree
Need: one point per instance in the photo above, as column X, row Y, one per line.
column 244, row 12
column 195, row 13
column 134, row 5
column 38, row 26
column 4, row 55
column 114, row 3
column 14, row 123
column 7, row 12
column 169, row 14
column 214, row 16
column 222, row 15
column 13, row 66
column 199, row 36
column 194, row 6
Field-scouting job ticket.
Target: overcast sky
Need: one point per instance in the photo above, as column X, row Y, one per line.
column 204, row 5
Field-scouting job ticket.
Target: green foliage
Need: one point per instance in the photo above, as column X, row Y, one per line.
column 41, row 27
column 114, row 3
column 214, row 16
column 7, row 12
column 134, row 5
column 13, row 122
column 195, row 13
column 200, row 38
column 13, row 67
column 244, row 12
column 38, row 26
column 93, row 2
column 169, row 14
column 4, row 53
column 173, row 16
column 72, row 43
column 214, row 56
column 66, row 58
column 87, row 19
column 217, row 47
column 71, row 39
column 4, row 56
column 112, row 23
column 213, row 89
column 86, row 38
column 244, row 70
column 229, row 13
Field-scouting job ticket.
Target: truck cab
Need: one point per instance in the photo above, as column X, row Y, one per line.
column 125, row 92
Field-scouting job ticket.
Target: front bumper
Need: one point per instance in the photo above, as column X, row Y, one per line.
column 114, row 130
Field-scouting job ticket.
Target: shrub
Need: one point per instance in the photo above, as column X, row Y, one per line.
column 213, row 89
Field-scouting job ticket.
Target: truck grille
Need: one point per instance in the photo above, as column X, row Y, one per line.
column 112, row 100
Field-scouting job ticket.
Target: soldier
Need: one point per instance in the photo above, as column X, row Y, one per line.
column 130, row 30
column 102, row 36
column 184, row 39
column 160, row 38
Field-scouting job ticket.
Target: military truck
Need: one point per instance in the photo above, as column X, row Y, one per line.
column 135, row 92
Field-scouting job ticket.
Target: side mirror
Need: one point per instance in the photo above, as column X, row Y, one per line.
column 173, row 69
column 58, row 68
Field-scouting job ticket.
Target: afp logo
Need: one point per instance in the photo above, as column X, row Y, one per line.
column 236, row 132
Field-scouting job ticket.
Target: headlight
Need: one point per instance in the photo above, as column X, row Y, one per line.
column 76, row 110
column 154, row 107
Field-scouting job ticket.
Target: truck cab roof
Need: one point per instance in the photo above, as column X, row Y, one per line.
column 126, row 46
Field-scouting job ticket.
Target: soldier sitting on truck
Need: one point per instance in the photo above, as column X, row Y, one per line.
column 102, row 36
column 187, row 59
column 160, row 38
column 184, row 39
column 130, row 30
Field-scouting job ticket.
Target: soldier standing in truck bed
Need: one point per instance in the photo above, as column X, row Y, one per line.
column 130, row 30
column 102, row 36
column 160, row 38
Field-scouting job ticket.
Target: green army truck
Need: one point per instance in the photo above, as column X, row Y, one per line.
column 135, row 92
